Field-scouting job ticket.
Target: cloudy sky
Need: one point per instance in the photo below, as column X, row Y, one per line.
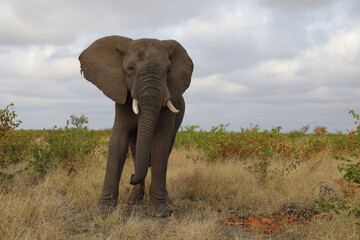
column 274, row 63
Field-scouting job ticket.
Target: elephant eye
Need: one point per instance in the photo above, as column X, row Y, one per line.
column 131, row 68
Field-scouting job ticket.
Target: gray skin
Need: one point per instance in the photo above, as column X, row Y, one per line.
column 152, row 72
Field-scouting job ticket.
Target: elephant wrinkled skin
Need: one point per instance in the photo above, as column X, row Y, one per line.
column 146, row 78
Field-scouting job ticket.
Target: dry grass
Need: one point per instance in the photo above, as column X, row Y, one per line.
column 62, row 206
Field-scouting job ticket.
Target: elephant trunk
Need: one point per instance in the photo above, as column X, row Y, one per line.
column 150, row 92
column 147, row 122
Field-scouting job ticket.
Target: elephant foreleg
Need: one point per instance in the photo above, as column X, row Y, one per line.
column 118, row 148
column 159, row 201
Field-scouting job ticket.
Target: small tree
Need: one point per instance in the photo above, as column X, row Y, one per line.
column 79, row 122
column 304, row 129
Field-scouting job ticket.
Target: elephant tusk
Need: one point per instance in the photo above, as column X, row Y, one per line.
column 171, row 107
column 135, row 106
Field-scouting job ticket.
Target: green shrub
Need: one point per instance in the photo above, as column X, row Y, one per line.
column 187, row 136
column 220, row 144
column 350, row 168
column 256, row 148
column 68, row 147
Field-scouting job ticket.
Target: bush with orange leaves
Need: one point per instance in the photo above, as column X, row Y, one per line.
column 319, row 130
column 13, row 144
column 7, row 119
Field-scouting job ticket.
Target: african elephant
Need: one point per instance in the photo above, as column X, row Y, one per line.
column 146, row 78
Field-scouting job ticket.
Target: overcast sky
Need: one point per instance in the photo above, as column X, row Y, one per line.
column 274, row 63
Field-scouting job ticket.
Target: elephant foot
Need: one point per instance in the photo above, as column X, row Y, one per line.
column 160, row 210
column 136, row 195
column 106, row 207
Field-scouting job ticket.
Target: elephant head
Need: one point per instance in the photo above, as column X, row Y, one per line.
column 153, row 73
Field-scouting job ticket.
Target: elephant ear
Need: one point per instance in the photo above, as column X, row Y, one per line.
column 179, row 77
column 101, row 64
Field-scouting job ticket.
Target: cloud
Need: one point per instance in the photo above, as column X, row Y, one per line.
column 54, row 22
column 227, row 42
column 36, row 22
column 270, row 62
column 243, row 35
column 318, row 81
column 295, row 4
column 37, row 63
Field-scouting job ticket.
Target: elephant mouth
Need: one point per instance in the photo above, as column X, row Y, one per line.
column 135, row 106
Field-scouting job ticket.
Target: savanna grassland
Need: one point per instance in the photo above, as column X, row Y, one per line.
column 251, row 184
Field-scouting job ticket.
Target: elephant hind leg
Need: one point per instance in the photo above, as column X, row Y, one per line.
column 137, row 194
